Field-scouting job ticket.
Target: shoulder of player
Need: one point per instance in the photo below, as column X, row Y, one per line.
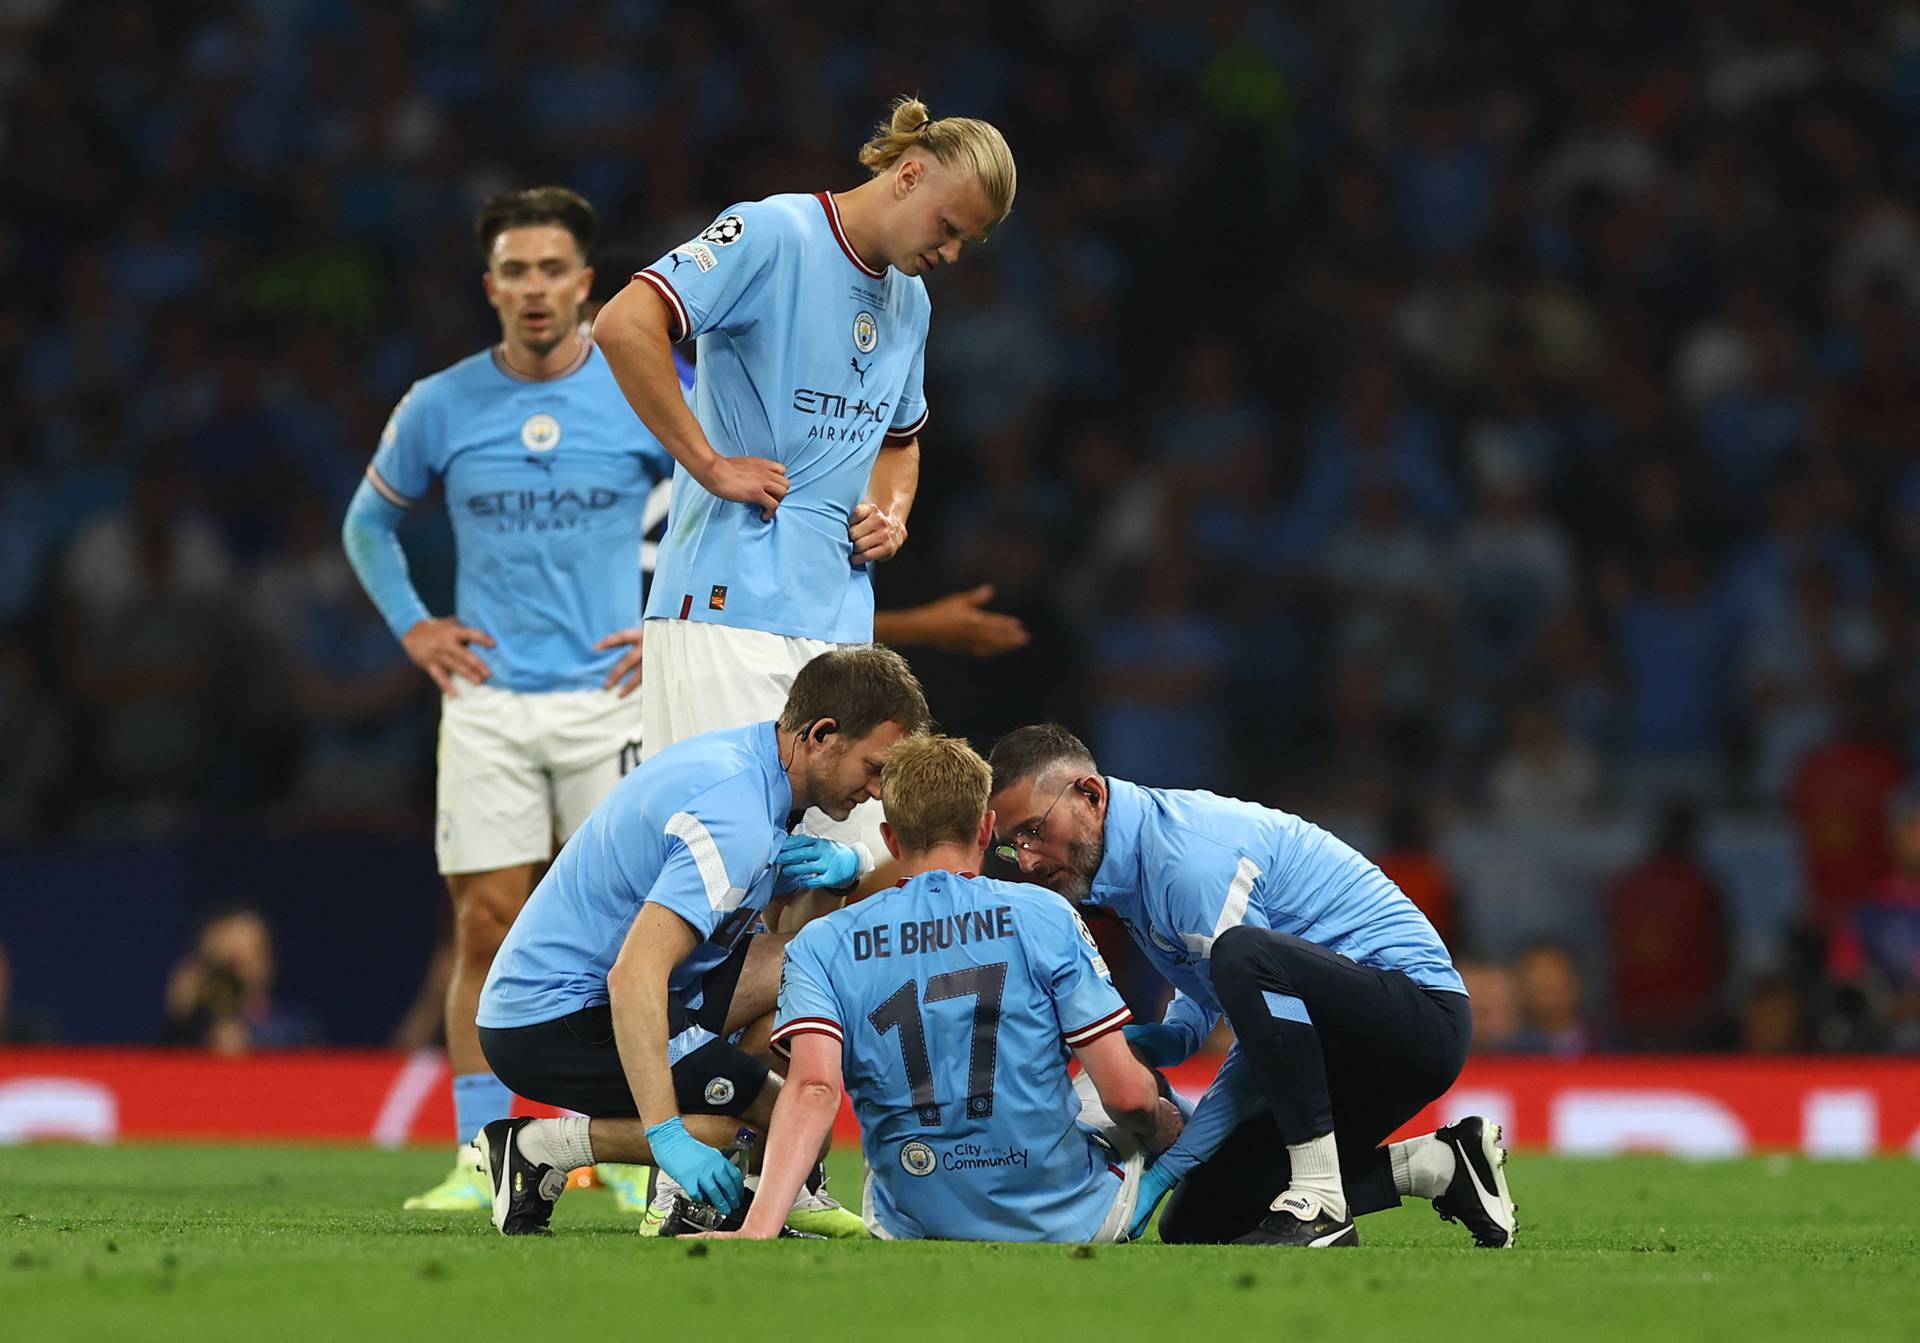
column 823, row 935
column 1188, row 826
column 709, row 784
column 828, row 940
column 458, row 377
column 774, row 217
column 1034, row 907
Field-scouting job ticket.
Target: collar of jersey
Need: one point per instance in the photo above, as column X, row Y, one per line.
column 840, row 235
column 767, row 738
column 968, row 875
column 586, row 353
column 1115, row 882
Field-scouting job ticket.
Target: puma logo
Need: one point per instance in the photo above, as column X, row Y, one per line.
column 861, row 371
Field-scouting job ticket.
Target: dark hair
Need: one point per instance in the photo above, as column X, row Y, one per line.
column 536, row 205
column 859, row 687
column 1035, row 749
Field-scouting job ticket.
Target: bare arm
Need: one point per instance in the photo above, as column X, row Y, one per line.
column 957, row 623
column 879, row 524
column 804, row 906
column 802, row 1118
column 1128, row 1090
column 637, row 993
column 633, row 332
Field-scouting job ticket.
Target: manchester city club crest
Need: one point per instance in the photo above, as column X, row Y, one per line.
column 719, row 1091
column 866, row 333
column 541, row 433
column 916, row 1158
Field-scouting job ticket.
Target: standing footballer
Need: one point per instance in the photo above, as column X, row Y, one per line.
column 799, row 460
column 546, row 475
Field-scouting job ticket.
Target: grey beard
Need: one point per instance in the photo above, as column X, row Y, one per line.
column 1084, row 857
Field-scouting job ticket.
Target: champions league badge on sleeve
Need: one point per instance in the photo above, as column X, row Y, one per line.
column 724, row 231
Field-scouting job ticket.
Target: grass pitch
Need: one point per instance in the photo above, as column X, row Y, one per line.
column 138, row 1243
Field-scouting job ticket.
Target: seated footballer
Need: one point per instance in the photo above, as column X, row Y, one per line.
column 948, row 1008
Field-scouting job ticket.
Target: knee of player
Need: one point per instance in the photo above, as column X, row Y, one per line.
column 1232, row 954
column 479, row 927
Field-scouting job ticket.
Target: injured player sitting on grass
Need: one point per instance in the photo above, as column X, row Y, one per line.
column 949, row 1007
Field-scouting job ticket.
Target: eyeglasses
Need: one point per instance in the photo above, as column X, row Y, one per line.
column 1028, row 835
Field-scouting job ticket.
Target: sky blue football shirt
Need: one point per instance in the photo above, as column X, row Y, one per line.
column 546, row 485
column 807, row 356
column 956, row 1001
column 695, row 828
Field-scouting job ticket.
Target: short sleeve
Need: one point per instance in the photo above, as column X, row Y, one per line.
column 716, row 851
column 1084, row 999
column 807, row 1005
column 405, row 463
column 717, row 280
column 910, row 409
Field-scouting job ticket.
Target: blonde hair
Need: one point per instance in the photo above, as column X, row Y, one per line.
column 934, row 790
column 960, row 143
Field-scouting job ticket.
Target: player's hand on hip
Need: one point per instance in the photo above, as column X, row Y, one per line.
column 439, row 647
column 877, row 534
column 960, row 623
column 1155, row 1184
column 701, row 1170
column 815, row 861
column 626, row 672
column 757, row 482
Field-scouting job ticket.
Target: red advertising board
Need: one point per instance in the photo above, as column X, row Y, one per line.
column 1692, row 1106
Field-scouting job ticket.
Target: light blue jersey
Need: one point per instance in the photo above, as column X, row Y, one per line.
column 956, row 1000
column 1183, row 867
column 807, row 356
column 695, row 828
column 546, row 484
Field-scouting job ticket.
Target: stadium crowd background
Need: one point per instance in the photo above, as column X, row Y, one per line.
column 1486, row 429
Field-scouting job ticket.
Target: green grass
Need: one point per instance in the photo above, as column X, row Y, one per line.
column 138, row 1243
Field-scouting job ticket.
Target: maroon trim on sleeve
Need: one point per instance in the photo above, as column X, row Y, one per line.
column 907, row 433
column 1107, row 1025
column 674, row 306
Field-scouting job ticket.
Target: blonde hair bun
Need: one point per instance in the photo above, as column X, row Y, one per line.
column 961, row 143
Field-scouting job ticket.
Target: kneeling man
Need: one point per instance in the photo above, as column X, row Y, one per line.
column 623, row 988
column 1348, row 1013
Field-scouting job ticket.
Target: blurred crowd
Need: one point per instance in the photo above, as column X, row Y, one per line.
column 1421, row 408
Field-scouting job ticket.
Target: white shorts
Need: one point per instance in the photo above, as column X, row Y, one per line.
column 1126, row 1149
column 520, row 769
column 701, row 677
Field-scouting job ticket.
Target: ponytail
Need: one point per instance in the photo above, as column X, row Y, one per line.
column 961, row 143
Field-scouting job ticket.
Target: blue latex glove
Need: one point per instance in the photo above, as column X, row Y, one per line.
column 700, row 1169
column 1158, row 1046
column 813, row 861
column 1155, row 1184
